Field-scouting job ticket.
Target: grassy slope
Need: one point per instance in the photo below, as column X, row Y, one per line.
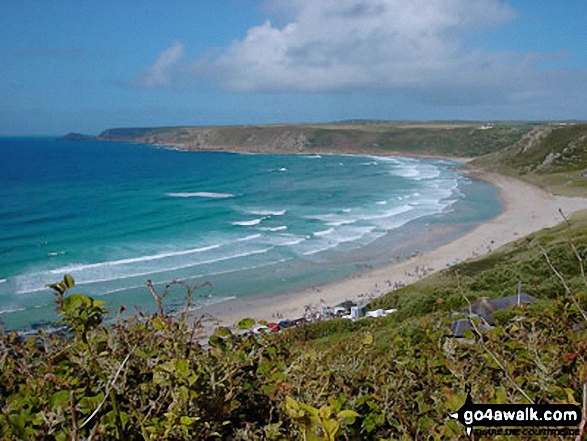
column 552, row 157
column 446, row 139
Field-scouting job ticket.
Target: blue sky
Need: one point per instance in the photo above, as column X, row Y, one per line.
column 84, row 66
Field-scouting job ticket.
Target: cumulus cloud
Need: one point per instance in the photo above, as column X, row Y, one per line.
column 419, row 47
column 162, row 73
column 339, row 45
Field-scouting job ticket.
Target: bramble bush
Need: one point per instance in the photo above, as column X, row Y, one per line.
column 147, row 377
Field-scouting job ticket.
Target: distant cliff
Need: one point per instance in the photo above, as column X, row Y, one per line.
column 434, row 139
column 77, row 137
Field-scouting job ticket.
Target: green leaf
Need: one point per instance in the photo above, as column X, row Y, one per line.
column 58, row 287
column 246, row 323
column 74, row 301
column 325, row 412
column 68, row 280
column 348, row 416
column 331, row 427
column 58, row 398
column 222, row 331
column 90, row 403
column 216, row 342
column 368, row 340
column 158, row 323
column 187, row 421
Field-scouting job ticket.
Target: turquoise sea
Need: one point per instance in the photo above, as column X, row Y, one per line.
column 115, row 215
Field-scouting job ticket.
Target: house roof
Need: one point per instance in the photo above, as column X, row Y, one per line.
column 458, row 327
column 485, row 308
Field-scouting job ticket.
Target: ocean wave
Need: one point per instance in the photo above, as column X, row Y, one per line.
column 293, row 242
column 333, row 219
column 249, row 222
column 280, row 228
column 71, row 268
column 407, row 171
column 249, row 237
column 266, row 212
column 201, row 194
column 390, row 159
column 80, row 281
column 234, row 270
column 337, row 237
column 10, row 310
column 312, row 156
column 323, row 233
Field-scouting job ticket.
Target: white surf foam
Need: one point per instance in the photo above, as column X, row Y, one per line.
column 249, row 237
column 280, row 228
column 267, row 212
column 333, row 219
column 10, row 310
column 200, row 194
column 249, row 223
column 323, row 233
column 72, row 268
column 295, row 241
column 81, row 281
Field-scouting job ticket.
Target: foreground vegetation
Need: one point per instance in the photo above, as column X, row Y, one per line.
column 397, row 377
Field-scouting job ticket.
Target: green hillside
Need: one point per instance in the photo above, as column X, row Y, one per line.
column 460, row 139
column 552, row 157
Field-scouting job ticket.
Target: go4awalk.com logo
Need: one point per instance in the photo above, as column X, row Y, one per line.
column 516, row 415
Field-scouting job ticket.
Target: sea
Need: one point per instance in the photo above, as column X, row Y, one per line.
column 115, row 215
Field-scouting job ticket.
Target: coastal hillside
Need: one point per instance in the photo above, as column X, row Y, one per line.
column 397, row 377
column 553, row 157
column 459, row 139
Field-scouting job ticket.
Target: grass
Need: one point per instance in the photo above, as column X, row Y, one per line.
column 554, row 159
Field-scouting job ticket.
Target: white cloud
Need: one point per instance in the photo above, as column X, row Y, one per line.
column 339, row 45
column 162, row 73
column 418, row 48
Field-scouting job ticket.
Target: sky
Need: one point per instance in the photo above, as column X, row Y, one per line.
column 86, row 66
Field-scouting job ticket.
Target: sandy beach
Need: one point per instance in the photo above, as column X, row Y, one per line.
column 526, row 209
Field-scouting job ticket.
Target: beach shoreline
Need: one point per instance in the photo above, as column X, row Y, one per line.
column 527, row 209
